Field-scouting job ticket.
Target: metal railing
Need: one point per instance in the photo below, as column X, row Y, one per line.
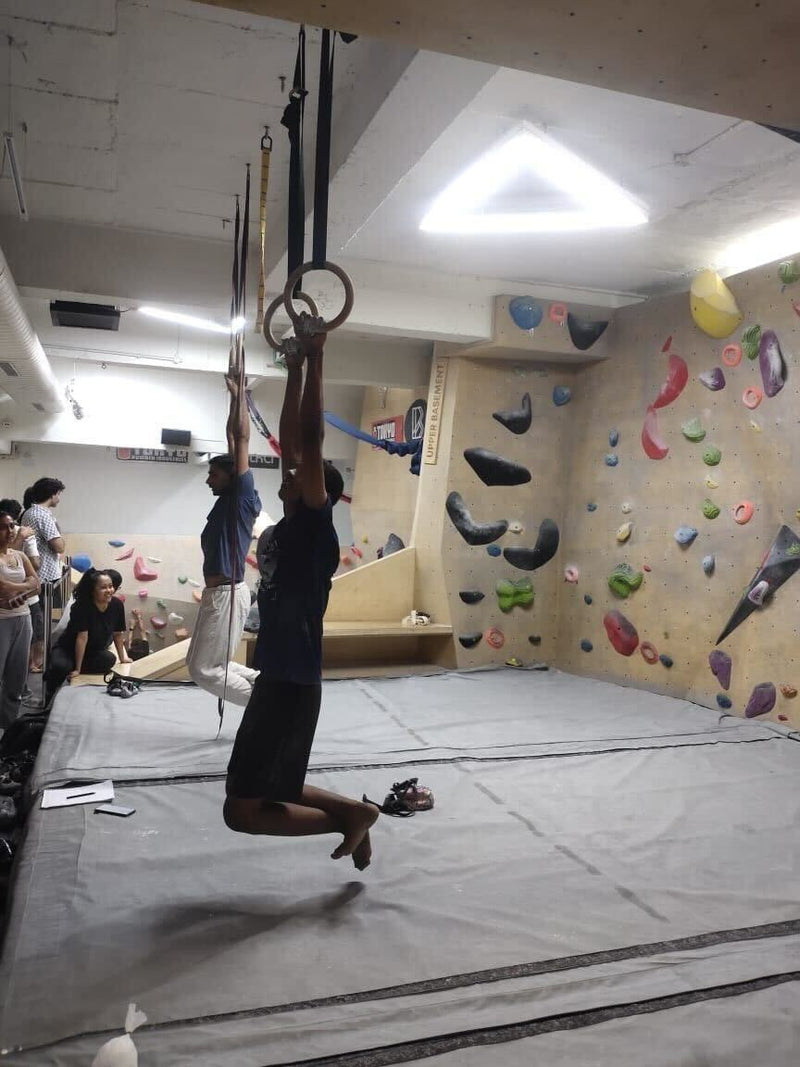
column 53, row 595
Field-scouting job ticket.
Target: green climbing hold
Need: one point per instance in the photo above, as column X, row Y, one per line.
column 751, row 339
column 789, row 271
column 182, row 579
column 624, row 580
column 514, row 592
column 712, row 456
column 161, row 603
column 693, row 430
column 710, row 509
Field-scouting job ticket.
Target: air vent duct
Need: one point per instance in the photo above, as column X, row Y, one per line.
column 87, row 316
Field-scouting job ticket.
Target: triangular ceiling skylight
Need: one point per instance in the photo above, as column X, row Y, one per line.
column 600, row 204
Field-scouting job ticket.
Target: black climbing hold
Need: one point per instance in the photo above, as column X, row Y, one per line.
column 535, row 639
column 587, row 597
column 474, row 533
column 471, row 596
column 584, row 332
column 495, row 470
column 470, row 640
column 519, row 420
column 666, row 660
column 586, row 645
column 393, row 544
column 529, row 559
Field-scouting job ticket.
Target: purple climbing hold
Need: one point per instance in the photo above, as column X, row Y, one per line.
column 724, row 701
column 762, row 700
column 496, row 470
column 713, row 379
column 759, row 592
column 771, row 362
column 721, row 664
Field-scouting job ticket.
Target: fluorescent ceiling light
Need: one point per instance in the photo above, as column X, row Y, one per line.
column 16, row 176
column 777, row 241
column 194, row 321
column 600, row 203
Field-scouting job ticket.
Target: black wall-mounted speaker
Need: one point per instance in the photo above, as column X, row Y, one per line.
column 176, row 438
column 88, row 316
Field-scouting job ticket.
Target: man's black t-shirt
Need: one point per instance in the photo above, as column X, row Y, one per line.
column 304, row 555
column 100, row 625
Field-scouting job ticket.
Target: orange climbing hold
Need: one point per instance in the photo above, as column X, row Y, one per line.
column 752, row 397
column 743, row 512
column 732, row 355
column 494, row 637
column 649, row 652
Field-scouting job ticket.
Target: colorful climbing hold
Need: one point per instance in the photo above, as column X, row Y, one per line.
column 667, row 344
column 677, row 377
column 116, row 544
column 709, row 565
column 81, row 563
column 514, row 592
column 646, row 567
column 194, row 583
column 752, row 397
column 125, row 555
column 525, row 312
column 626, row 507
column 665, row 660
column 535, row 639
column 494, row 637
column 789, row 691
column 587, row 599
column 710, row 509
column 571, row 574
column 583, row 332
column 721, row 666
column 470, row 640
column 181, row 633
column 155, row 559
column 515, row 528
column 493, row 550
column 652, row 442
column 474, row 533
column 624, row 532
column 621, row 632
column 143, row 573
column 693, row 430
column 754, row 426
column 624, row 580
column 771, row 363
column 613, row 438
column 516, row 420
column 762, row 700
column 649, row 652
column 197, row 595
column 713, row 305
column 612, row 459
column 713, row 379
column 685, row 535
column 471, row 596
column 743, row 512
column 711, row 483
column 789, row 271
column 558, row 314
column 751, row 339
column 562, row 395
column 711, row 456
column 158, row 622
column 591, row 506
column 512, row 661
column 174, row 617
column 732, row 355
column 496, row 470
column 530, row 559
column 182, row 579
column 586, row 645
column 143, row 594
column 724, row 701
column 758, row 593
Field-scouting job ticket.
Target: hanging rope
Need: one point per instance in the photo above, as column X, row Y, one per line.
column 261, row 426
column 266, row 153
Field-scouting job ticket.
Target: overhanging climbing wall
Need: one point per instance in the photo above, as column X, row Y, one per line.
column 680, row 609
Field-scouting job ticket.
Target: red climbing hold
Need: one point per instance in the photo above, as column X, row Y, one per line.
column 652, row 442
column 667, row 344
column 677, row 377
column 125, row 555
column 621, row 633
column 143, row 573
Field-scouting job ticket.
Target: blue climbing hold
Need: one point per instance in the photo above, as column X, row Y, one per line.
column 591, row 507
column 493, row 550
column 586, row 646
column 666, row 660
column 612, row 459
column 562, row 395
column 684, row 535
column 116, row 544
column 81, row 563
column 724, row 701
column 526, row 312
column 709, row 563
column 613, row 438
column 587, row 598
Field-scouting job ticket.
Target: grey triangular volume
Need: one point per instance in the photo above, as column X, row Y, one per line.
column 496, row 470
column 783, row 560
column 792, row 135
column 530, row 559
column 517, row 420
column 474, row 533
column 583, row 332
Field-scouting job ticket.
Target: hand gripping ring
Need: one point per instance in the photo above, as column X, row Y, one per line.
column 277, row 346
column 295, row 277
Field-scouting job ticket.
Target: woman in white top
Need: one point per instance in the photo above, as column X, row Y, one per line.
column 18, row 581
column 25, row 541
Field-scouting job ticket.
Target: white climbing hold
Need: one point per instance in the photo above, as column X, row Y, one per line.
column 515, row 527
column 174, row 617
column 155, row 559
column 191, row 581
column 627, row 508
column 121, row 1051
column 711, row 483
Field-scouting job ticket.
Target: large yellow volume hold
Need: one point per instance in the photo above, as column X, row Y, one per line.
column 713, row 305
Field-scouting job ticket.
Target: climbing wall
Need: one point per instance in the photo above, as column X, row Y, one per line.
column 678, row 608
column 537, row 460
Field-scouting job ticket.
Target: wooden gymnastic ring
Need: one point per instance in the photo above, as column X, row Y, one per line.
column 295, row 277
column 276, row 303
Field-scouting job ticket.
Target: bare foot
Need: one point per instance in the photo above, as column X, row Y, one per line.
column 357, row 823
column 362, row 853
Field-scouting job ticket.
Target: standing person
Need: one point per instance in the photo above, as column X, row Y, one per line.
column 45, row 495
column 265, row 789
column 214, row 640
column 97, row 618
column 25, row 541
column 17, row 582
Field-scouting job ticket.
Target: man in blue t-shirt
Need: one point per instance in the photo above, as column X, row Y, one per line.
column 225, row 542
column 266, row 791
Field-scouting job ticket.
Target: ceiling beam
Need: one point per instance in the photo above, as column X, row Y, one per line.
column 738, row 58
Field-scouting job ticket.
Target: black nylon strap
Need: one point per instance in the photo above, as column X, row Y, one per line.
column 293, row 116
column 322, row 161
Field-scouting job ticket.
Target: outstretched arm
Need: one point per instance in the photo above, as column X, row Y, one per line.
column 312, row 426
column 237, row 429
column 289, row 429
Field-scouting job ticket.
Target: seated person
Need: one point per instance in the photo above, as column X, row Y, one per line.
column 96, row 619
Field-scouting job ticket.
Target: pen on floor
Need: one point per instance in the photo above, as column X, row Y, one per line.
column 76, row 796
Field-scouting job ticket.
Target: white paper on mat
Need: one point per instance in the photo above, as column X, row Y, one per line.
column 78, row 794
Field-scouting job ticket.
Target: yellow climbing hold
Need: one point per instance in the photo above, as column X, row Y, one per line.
column 624, row 532
column 754, row 425
column 714, row 308
column 711, row 483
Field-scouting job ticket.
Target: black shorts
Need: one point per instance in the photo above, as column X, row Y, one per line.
column 270, row 754
column 37, row 621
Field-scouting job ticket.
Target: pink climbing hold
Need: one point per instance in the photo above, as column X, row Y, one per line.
column 677, row 377
column 252, row 562
column 158, row 622
column 143, row 594
column 125, row 555
column 667, row 344
column 143, row 573
column 721, row 665
column 621, row 633
column 649, row 652
column 652, row 443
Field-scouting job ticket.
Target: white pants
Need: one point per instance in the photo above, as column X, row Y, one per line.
column 210, row 651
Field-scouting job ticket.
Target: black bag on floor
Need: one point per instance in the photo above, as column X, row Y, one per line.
column 23, row 735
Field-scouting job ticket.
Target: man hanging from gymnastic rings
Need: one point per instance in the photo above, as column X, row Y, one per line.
column 266, row 792
column 225, row 542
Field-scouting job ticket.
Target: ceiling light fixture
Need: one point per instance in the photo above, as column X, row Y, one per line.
column 193, row 321
column 16, row 175
column 776, row 241
column 601, row 204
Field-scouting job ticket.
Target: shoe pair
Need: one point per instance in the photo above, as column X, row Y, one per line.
column 122, row 687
